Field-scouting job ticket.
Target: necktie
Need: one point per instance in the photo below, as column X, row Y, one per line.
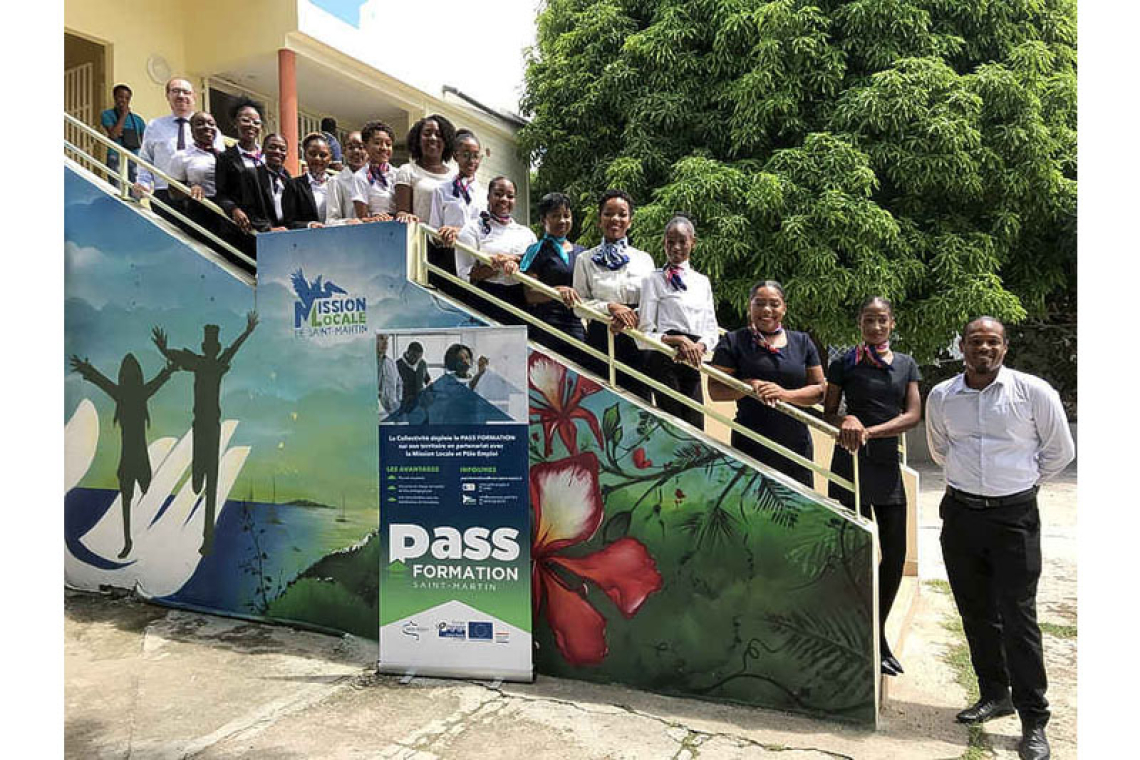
column 181, row 133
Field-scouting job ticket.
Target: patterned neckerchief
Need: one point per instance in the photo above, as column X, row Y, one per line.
column 612, row 256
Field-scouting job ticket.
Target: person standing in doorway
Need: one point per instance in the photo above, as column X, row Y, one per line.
column 998, row 433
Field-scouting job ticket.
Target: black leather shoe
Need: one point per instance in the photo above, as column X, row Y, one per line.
column 894, row 663
column 1033, row 745
column 985, row 709
column 887, row 669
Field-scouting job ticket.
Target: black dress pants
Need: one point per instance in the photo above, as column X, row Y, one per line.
column 891, row 521
column 682, row 378
column 993, row 560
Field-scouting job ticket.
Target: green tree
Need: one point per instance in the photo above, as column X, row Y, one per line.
column 922, row 149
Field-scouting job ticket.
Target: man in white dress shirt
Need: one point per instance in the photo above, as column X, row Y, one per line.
column 998, row 433
column 165, row 136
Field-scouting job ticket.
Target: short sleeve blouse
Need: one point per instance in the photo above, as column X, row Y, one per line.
column 423, row 184
column 738, row 351
column 875, row 395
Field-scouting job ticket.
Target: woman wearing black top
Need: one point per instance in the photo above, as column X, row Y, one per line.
column 780, row 365
column 881, row 391
column 551, row 261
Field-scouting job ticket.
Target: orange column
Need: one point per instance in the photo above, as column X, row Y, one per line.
column 287, row 113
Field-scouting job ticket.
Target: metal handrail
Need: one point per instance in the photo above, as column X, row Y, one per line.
column 614, row 364
column 124, row 180
column 126, row 155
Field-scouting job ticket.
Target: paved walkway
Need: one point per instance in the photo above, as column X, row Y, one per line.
column 145, row 682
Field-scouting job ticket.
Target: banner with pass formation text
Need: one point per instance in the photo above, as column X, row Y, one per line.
column 455, row 596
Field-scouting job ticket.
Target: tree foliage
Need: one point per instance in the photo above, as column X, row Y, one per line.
column 921, row 149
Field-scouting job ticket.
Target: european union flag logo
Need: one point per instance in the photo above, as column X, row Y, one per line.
column 480, row 631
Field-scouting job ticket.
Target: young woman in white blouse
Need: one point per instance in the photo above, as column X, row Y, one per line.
column 429, row 143
column 374, row 199
column 608, row 278
column 453, row 205
column 505, row 240
column 677, row 309
column 339, row 209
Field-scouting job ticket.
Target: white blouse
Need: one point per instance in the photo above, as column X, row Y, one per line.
column 381, row 199
column 450, row 210
column 423, row 184
column 597, row 285
column 689, row 311
column 194, row 166
column 511, row 238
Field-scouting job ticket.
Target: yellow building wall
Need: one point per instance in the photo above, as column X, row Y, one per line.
column 223, row 33
column 196, row 37
column 133, row 30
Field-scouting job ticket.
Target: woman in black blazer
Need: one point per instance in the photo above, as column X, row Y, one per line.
column 305, row 199
column 238, row 188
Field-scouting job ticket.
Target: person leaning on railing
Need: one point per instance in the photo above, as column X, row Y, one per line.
column 505, row 240
column 238, row 190
column 453, row 205
column 551, row 261
column 196, row 166
column 677, row 309
column 165, row 136
column 780, row 365
column 608, row 279
column 880, row 388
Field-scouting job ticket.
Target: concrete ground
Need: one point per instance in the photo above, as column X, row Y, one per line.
column 146, row 682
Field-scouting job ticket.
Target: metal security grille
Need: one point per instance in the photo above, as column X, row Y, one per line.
column 79, row 101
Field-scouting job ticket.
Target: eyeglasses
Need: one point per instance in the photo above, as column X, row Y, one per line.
column 180, row 91
column 469, row 155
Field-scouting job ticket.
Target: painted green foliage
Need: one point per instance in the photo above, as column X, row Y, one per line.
column 922, row 149
column 663, row 563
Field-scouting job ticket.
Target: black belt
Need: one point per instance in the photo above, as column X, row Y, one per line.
column 973, row 501
column 690, row 336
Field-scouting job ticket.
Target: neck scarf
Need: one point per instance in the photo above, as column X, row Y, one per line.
column 255, row 156
column 318, row 181
column 533, row 250
column 760, row 339
column 486, row 217
column 674, row 275
column 871, row 353
column 376, row 174
column 461, row 188
column 612, row 256
column 206, row 148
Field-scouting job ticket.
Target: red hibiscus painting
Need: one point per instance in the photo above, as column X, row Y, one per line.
column 568, row 510
column 556, row 403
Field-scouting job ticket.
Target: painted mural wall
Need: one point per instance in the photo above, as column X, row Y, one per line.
column 659, row 560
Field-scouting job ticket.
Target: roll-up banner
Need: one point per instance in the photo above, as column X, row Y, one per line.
column 454, row 508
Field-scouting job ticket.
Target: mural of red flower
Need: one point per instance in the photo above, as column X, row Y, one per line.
column 568, row 510
column 556, row 405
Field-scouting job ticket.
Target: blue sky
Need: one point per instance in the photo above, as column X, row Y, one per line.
column 346, row 10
